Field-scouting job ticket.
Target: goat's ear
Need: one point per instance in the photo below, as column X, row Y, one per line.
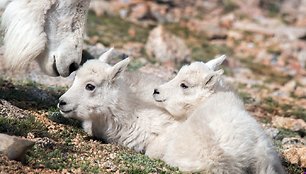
column 215, row 63
column 119, row 68
column 211, row 79
column 105, row 56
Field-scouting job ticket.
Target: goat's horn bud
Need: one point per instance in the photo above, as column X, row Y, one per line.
column 105, row 56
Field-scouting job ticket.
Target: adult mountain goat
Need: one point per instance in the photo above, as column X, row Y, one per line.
column 195, row 95
column 50, row 31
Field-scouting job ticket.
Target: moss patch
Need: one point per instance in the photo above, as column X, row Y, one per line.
column 264, row 70
column 114, row 31
column 58, row 158
column 246, row 97
column 140, row 164
column 283, row 133
column 272, row 106
column 21, row 127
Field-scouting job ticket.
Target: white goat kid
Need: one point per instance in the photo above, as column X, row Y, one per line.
column 110, row 107
column 194, row 94
column 50, row 31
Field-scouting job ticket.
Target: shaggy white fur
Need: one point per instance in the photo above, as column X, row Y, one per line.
column 50, row 31
column 193, row 95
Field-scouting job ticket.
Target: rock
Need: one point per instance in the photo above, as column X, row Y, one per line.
column 302, row 58
column 101, row 7
column 160, row 12
column 139, row 11
column 295, row 150
column 164, row 46
column 211, row 28
column 292, row 142
column 13, row 147
column 288, row 88
column 252, row 27
column 292, row 33
column 300, row 91
column 271, row 28
column 294, row 11
column 289, row 7
column 288, row 123
column 296, row 156
column 227, row 20
column 45, row 142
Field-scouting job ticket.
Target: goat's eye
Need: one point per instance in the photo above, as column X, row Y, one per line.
column 90, row 87
column 183, row 85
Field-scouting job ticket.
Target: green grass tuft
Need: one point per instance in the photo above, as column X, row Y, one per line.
column 59, row 158
column 21, row 127
column 140, row 164
column 264, row 70
column 114, row 31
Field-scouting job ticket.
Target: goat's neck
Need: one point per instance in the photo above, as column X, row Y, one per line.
column 121, row 123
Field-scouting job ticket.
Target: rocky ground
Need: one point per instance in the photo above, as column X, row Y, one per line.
column 265, row 42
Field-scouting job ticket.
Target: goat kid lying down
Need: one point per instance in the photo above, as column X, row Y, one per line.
column 198, row 95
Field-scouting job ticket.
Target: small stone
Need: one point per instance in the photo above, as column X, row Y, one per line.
column 45, row 142
column 288, row 88
column 300, row 92
column 139, row 11
column 227, row 20
column 293, row 142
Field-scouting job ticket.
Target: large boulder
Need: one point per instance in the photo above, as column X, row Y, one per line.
column 164, row 46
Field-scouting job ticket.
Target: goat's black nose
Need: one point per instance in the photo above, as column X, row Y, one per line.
column 156, row 91
column 62, row 103
column 73, row 67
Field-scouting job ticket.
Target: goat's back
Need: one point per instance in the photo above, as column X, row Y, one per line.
column 235, row 130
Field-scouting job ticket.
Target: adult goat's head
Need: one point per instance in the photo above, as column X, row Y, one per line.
column 50, row 31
